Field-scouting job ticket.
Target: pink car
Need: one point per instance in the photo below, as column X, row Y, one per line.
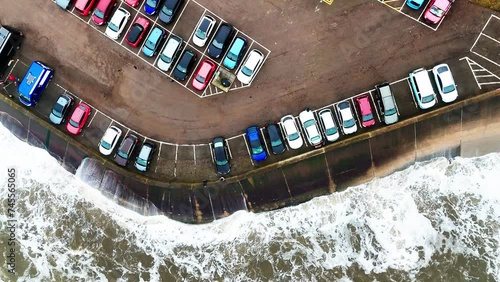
column 364, row 106
column 436, row 11
column 132, row 3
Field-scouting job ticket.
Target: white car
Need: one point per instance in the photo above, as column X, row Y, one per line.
column 445, row 83
column 109, row 140
column 328, row 125
column 310, row 125
column 347, row 119
column 203, row 30
column 250, row 66
column 291, row 132
column 117, row 23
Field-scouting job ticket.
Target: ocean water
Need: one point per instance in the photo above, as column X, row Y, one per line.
column 435, row 221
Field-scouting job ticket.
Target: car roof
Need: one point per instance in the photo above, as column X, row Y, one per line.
column 327, row 118
column 103, row 4
column 156, row 33
column 224, row 30
column 186, row 57
column 110, row 134
column 238, row 44
column 205, row 22
column 206, row 66
column 253, row 58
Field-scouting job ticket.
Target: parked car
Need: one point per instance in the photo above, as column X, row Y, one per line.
column 221, row 40
column 64, row 4
column 137, row 31
column 310, row 125
column 184, row 65
column 221, row 156
column 365, row 108
column 436, row 10
column 248, row 70
column 170, row 53
column 445, row 83
column 122, row 157
column 151, row 6
column 327, row 124
column 415, row 4
column 153, row 41
column 168, row 10
column 102, row 11
column 78, row 118
column 386, row 103
column 277, row 146
column 143, row 160
column 235, row 53
column 132, row 3
column 203, row 30
column 109, row 140
column 346, row 117
column 60, row 109
column 254, row 139
column 83, row 7
column 421, row 87
column 291, row 132
column 203, row 75
column 117, row 23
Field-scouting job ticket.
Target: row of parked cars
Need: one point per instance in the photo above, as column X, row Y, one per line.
column 436, row 10
column 321, row 127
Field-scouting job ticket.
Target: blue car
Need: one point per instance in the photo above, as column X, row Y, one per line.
column 235, row 53
column 253, row 137
column 153, row 41
column 151, row 6
column 415, row 4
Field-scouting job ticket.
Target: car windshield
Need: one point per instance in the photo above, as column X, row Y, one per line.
column 150, row 45
column 331, row 131
column 113, row 27
column 200, row 34
column 106, row 145
column 276, row 142
column 181, row 68
column 315, row 138
column 167, row 11
column 232, row 56
column 449, row 88
column 73, row 123
column 349, row 123
column 200, row 79
column 309, row 123
column 247, row 71
column 217, row 44
column 294, row 136
column 428, row 99
column 57, row 111
column 436, row 11
column 122, row 154
column 165, row 58
column 141, row 162
column 98, row 13
column 390, row 112
column 368, row 117
column 256, row 147
column 151, row 3
column 219, row 154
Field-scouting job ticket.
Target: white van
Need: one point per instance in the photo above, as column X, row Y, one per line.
column 421, row 87
column 170, row 53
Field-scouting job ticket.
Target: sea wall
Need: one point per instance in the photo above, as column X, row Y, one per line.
column 470, row 127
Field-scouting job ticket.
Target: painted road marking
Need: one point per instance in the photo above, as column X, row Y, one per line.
column 248, row 150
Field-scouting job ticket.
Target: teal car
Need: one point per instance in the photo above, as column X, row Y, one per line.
column 153, row 41
column 235, row 53
column 415, row 4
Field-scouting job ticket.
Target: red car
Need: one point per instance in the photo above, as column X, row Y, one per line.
column 364, row 106
column 132, row 3
column 78, row 118
column 203, row 74
column 84, row 6
column 137, row 31
column 102, row 11
column 436, row 11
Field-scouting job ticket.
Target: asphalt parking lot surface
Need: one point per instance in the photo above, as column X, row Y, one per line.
column 309, row 65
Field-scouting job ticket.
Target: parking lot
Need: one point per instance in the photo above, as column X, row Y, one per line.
column 183, row 26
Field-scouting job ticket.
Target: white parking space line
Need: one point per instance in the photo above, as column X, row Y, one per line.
column 404, row 4
column 248, row 150
column 194, row 154
column 211, row 152
column 95, row 113
column 412, row 94
column 374, row 105
column 264, row 138
column 128, row 130
column 236, row 136
column 299, row 125
column 423, row 10
column 282, row 131
column 356, row 111
column 158, row 158
column 180, row 15
column 175, row 162
column 398, row 81
column 229, row 149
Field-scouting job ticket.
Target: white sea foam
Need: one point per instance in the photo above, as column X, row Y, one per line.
column 406, row 222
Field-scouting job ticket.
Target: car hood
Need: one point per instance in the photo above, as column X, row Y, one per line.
column 391, row 119
column 54, row 119
column 120, row 161
column 104, row 151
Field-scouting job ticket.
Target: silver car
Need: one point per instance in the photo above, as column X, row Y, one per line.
column 386, row 103
column 328, row 125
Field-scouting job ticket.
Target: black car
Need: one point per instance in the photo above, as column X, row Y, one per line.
column 145, row 155
column 60, row 109
column 169, row 9
column 126, row 148
column 277, row 145
column 221, row 40
column 221, row 156
column 184, row 65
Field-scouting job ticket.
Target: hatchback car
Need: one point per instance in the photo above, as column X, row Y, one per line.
column 415, row 4
column 328, row 125
column 445, row 83
column 102, row 11
column 78, row 118
column 184, row 65
column 122, row 157
column 365, row 108
column 254, row 139
column 109, row 140
column 132, row 3
column 143, row 160
column 137, row 31
column 422, row 89
column 277, row 146
column 168, row 10
column 153, row 41
column 235, row 53
column 310, row 125
column 83, row 7
column 64, row 4
column 151, row 6
column 60, row 109
column 436, row 11
column 170, row 53
column 117, row 23
column 346, row 117
column 203, row 30
column 291, row 132
column 386, row 103
column 221, row 156
column 203, row 75
column 221, row 41
column 247, row 71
